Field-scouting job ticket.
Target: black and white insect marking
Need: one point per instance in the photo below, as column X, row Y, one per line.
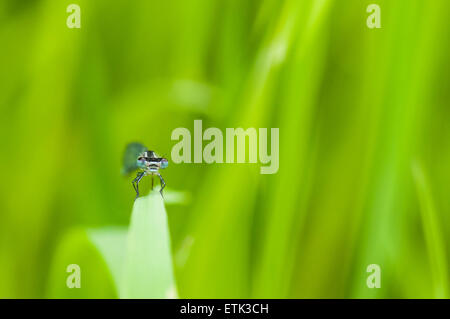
column 146, row 162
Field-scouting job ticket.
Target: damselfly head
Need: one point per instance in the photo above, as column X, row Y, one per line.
column 138, row 157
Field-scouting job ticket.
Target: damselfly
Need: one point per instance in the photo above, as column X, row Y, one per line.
column 146, row 162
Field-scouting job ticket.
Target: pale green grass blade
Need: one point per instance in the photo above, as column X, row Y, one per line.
column 148, row 270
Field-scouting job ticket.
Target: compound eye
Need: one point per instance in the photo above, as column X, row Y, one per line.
column 164, row 163
column 141, row 162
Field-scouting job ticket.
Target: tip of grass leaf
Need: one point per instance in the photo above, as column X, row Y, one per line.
column 148, row 270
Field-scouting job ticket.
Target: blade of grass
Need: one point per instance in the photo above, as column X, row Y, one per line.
column 148, row 270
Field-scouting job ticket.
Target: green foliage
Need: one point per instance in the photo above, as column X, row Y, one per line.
column 115, row 262
column 355, row 107
column 96, row 279
column 433, row 233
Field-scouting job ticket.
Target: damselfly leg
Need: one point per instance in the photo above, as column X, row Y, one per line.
column 163, row 184
column 136, row 182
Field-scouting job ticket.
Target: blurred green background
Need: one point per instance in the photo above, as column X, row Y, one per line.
column 364, row 140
